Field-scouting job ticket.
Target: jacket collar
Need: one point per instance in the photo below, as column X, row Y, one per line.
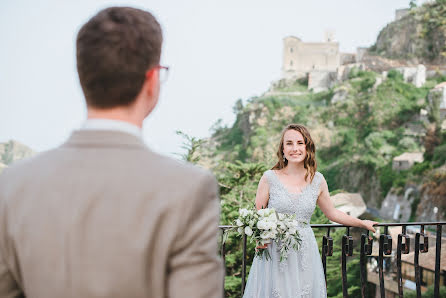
column 103, row 138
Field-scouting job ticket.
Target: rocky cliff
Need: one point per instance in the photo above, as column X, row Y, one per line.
column 418, row 37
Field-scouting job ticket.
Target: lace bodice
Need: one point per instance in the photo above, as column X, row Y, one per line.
column 302, row 204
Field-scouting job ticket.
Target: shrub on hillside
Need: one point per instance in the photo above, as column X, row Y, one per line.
column 439, row 157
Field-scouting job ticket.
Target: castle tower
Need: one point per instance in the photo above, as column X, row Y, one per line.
column 291, row 48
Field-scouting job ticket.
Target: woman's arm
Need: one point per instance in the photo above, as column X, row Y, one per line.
column 338, row 216
column 262, row 195
column 262, row 198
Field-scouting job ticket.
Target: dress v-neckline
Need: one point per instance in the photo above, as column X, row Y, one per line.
column 286, row 189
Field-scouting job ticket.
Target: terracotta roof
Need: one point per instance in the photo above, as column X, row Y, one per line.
column 349, row 202
column 441, row 85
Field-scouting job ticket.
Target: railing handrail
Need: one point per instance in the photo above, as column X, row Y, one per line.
column 382, row 224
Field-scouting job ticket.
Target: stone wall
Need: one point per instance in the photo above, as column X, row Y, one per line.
column 320, row 80
column 344, row 70
column 360, row 52
column 439, row 92
column 379, row 64
column 348, row 58
column 435, row 72
column 442, row 94
column 414, row 75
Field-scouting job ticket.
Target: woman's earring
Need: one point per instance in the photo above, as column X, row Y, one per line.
column 284, row 159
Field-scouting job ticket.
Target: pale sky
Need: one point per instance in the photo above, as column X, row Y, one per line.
column 217, row 51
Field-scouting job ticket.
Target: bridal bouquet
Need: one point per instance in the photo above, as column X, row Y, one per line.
column 265, row 226
column 287, row 237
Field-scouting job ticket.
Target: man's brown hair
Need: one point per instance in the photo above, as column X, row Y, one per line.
column 114, row 50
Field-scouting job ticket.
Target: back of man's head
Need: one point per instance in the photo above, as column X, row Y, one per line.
column 114, row 50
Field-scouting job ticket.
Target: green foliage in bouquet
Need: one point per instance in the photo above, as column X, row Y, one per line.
column 266, row 226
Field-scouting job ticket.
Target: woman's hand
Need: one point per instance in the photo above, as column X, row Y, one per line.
column 368, row 224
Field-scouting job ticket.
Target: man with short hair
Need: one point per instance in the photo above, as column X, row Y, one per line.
column 102, row 215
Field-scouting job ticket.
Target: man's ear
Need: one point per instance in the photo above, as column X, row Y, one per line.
column 151, row 81
column 150, row 89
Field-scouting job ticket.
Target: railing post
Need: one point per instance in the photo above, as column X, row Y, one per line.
column 366, row 249
column 327, row 250
column 401, row 248
column 347, row 250
column 416, row 264
column 324, row 255
column 244, row 264
column 382, row 246
column 437, row 262
column 223, row 256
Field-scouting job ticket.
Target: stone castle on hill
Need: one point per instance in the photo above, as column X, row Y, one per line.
column 320, row 62
column 323, row 64
column 300, row 58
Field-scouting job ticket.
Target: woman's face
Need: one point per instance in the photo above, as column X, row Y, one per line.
column 294, row 148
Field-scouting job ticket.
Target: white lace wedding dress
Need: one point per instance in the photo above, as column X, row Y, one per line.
column 301, row 274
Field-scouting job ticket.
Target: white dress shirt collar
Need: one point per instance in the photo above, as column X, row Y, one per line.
column 109, row 124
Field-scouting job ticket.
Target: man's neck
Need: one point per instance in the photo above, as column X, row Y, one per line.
column 120, row 114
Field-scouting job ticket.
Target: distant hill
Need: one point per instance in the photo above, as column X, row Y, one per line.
column 359, row 126
column 419, row 36
column 11, row 151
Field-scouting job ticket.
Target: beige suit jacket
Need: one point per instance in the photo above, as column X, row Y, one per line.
column 103, row 216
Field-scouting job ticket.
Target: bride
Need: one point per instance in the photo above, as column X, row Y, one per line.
column 294, row 186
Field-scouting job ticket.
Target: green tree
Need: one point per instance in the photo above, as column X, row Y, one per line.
column 191, row 145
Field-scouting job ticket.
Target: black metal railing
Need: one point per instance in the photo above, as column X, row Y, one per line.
column 366, row 241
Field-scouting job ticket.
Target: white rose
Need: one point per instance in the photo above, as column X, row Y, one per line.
column 271, row 235
column 261, row 225
column 268, row 225
column 248, row 231
column 239, row 222
column 240, row 230
column 243, row 212
column 264, row 235
column 292, row 224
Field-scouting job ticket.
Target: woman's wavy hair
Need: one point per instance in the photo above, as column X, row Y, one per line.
column 310, row 160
